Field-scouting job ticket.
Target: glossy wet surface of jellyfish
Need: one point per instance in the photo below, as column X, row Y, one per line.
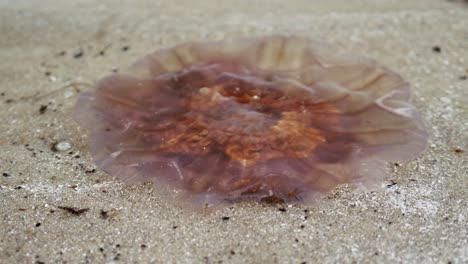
column 269, row 119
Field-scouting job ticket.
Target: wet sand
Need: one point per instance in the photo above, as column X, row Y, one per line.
column 56, row 207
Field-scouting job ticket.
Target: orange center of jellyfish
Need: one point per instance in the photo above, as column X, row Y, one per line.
column 243, row 113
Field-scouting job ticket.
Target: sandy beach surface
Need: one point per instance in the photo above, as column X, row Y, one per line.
column 57, row 207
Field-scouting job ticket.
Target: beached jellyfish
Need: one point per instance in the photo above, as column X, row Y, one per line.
column 270, row 119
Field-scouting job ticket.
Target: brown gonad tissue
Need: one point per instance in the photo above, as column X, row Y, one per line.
column 269, row 119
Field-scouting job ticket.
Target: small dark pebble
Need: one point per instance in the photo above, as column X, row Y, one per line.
column 225, row 218
column 5, row 174
column 392, row 183
column 38, row 224
column 174, row 227
column 233, row 252
column 90, row 171
column 101, row 249
column 104, row 214
column 436, row 49
column 47, row 73
column 282, row 209
column 117, row 245
column 302, row 226
column 143, row 246
column 2, row 94
column 458, row 150
column 9, row 101
column 74, row 211
column 18, row 187
column 77, row 156
column 42, row 109
column 125, row 48
column 464, row 77
column 78, row 54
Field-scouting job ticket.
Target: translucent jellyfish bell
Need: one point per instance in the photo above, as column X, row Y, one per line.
column 270, row 118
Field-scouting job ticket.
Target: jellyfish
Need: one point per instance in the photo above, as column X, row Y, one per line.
column 272, row 118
